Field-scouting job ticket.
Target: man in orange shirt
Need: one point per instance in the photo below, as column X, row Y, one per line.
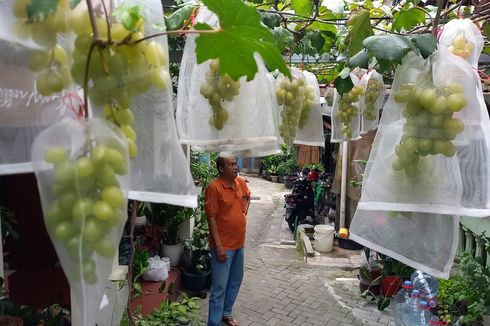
column 226, row 203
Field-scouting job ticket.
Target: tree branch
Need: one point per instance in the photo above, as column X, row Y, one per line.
column 440, row 3
column 91, row 14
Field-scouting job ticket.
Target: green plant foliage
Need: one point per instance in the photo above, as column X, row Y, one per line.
column 73, row 3
column 270, row 20
column 359, row 25
column 343, row 85
column 240, row 36
column 408, row 18
column 302, row 7
column 284, row 162
column 361, row 59
column 40, row 10
column 283, row 38
column 129, row 16
column 312, row 43
column 426, row 43
column 177, row 19
column 388, row 47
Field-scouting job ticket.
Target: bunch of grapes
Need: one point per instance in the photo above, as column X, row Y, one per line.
column 308, row 104
column 429, row 126
column 348, row 109
column 372, row 93
column 461, row 47
column 290, row 94
column 89, row 204
column 216, row 89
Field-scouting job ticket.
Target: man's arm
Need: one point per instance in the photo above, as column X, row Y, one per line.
column 213, row 230
column 211, row 207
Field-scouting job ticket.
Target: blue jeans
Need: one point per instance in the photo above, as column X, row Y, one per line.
column 226, row 280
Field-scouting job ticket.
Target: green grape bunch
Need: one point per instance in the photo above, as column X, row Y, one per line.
column 369, row 111
column 430, row 126
column 290, row 94
column 308, row 104
column 89, row 204
column 348, row 109
column 217, row 89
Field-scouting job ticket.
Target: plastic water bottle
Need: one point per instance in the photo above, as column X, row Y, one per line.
column 401, row 302
column 425, row 283
column 423, row 315
column 434, row 321
column 411, row 309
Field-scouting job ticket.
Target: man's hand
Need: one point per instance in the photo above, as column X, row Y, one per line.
column 221, row 253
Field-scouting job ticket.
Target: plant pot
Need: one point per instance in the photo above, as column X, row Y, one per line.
column 289, row 181
column 281, row 179
column 195, row 281
column 274, row 178
column 173, row 252
column 390, row 285
column 371, row 282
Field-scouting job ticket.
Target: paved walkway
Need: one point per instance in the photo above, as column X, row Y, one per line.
column 282, row 288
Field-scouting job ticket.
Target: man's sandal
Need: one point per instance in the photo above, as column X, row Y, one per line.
column 230, row 321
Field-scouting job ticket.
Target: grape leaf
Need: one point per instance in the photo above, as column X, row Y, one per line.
column 270, row 20
column 343, row 85
column 361, row 59
column 284, row 38
column 408, row 18
column 39, row 10
column 426, row 43
column 302, row 7
column 383, row 303
column 388, row 47
column 129, row 16
column 73, row 3
column 359, row 28
column 177, row 19
column 486, row 29
column 241, row 35
column 311, row 43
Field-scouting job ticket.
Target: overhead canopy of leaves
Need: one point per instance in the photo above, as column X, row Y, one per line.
column 406, row 19
column 177, row 19
column 284, row 38
column 312, row 43
column 388, row 47
column 129, row 16
column 39, row 10
column 302, row 7
column 426, row 43
column 241, row 35
column 359, row 29
column 271, row 20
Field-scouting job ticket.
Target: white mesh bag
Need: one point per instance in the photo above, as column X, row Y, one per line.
column 462, row 38
column 157, row 170
column 25, row 108
column 431, row 151
column 346, row 113
column 373, row 98
column 328, row 101
column 421, row 240
column 216, row 113
column 82, row 172
column 310, row 125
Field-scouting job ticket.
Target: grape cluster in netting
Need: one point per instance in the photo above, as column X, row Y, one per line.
column 369, row 111
column 461, row 47
column 308, row 104
column 290, row 95
column 348, row 109
column 217, row 89
column 89, row 203
column 430, row 127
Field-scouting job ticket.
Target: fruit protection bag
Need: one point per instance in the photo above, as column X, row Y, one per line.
column 310, row 125
column 431, row 150
column 29, row 73
column 141, row 105
column 290, row 94
column 464, row 39
column 328, row 101
column 216, row 113
column 373, row 100
column 423, row 241
column 82, row 170
column 346, row 113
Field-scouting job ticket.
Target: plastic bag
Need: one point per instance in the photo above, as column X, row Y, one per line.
column 327, row 101
column 464, row 39
column 142, row 106
column 421, row 240
column 82, row 172
column 157, row 270
column 373, row 100
column 431, row 151
column 290, row 96
column 216, row 113
column 346, row 113
column 310, row 125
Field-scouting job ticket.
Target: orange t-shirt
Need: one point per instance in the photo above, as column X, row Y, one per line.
column 228, row 206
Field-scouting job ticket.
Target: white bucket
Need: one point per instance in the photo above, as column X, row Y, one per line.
column 324, row 237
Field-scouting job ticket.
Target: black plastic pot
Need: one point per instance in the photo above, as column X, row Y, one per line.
column 349, row 244
column 194, row 281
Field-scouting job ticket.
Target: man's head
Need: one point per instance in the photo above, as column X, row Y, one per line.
column 227, row 167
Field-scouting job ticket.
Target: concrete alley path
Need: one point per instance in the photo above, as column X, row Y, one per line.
column 281, row 288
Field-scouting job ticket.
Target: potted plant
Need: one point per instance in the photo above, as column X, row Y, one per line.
column 393, row 275
column 273, row 173
column 169, row 217
column 282, row 171
column 197, row 260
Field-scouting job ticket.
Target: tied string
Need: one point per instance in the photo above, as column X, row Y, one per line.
column 75, row 104
column 440, row 30
column 191, row 19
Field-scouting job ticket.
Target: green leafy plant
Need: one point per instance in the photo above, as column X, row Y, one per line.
column 140, row 266
column 315, row 166
column 170, row 217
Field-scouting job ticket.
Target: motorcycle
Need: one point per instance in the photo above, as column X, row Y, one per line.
column 300, row 204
